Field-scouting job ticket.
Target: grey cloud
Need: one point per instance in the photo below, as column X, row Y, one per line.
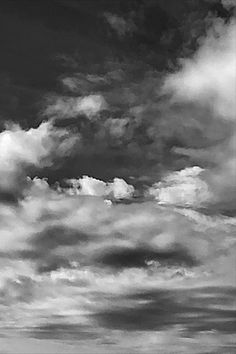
column 51, row 237
column 122, row 257
column 149, row 267
column 89, row 221
column 71, row 107
column 162, row 309
column 120, row 25
column 228, row 4
column 62, row 332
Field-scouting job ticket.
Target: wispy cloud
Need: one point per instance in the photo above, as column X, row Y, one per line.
column 120, row 25
column 67, row 107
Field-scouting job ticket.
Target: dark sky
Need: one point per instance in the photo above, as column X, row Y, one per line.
column 34, row 34
column 43, row 41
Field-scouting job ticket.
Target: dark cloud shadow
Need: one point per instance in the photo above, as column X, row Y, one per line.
column 55, row 236
column 42, row 247
column 122, row 257
column 202, row 309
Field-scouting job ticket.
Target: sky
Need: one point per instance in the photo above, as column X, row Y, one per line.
column 117, row 177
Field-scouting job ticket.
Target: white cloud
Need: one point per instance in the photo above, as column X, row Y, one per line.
column 28, row 146
column 91, row 105
column 208, row 80
column 20, row 148
column 36, row 147
column 182, row 188
column 74, row 292
column 209, row 77
column 87, row 186
column 69, row 107
column 118, row 189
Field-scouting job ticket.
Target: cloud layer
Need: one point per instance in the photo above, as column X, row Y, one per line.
column 117, row 202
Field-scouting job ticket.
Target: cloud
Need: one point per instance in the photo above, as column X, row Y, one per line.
column 51, row 225
column 70, row 107
column 228, row 4
column 141, row 257
column 220, row 176
column 207, row 80
column 21, row 149
column 120, row 25
column 84, row 84
column 192, row 314
column 70, row 262
column 29, row 146
column 118, row 189
column 83, row 257
column 209, row 77
column 182, row 188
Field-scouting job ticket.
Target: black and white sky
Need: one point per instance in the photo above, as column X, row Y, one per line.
column 117, row 176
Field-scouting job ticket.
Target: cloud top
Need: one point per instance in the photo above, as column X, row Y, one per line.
column 118, row 189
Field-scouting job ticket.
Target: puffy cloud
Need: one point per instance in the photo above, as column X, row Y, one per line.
column 118, row 189
column 209, row 77
column 208, row 80
column 220, row 176
column 70, row 107
column 91, row 105
column 36, row 147
column 182, row 188
column 20, row 145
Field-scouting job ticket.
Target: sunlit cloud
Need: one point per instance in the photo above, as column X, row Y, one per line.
column 209, row 77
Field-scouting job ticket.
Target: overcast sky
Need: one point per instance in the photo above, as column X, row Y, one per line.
column 117, row 176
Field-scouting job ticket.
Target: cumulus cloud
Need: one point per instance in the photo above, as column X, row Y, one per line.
column 33, row 147
column 70, row 107
column 118, row 189
column 208, row 80
column 182, row 188
column 28, row 146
